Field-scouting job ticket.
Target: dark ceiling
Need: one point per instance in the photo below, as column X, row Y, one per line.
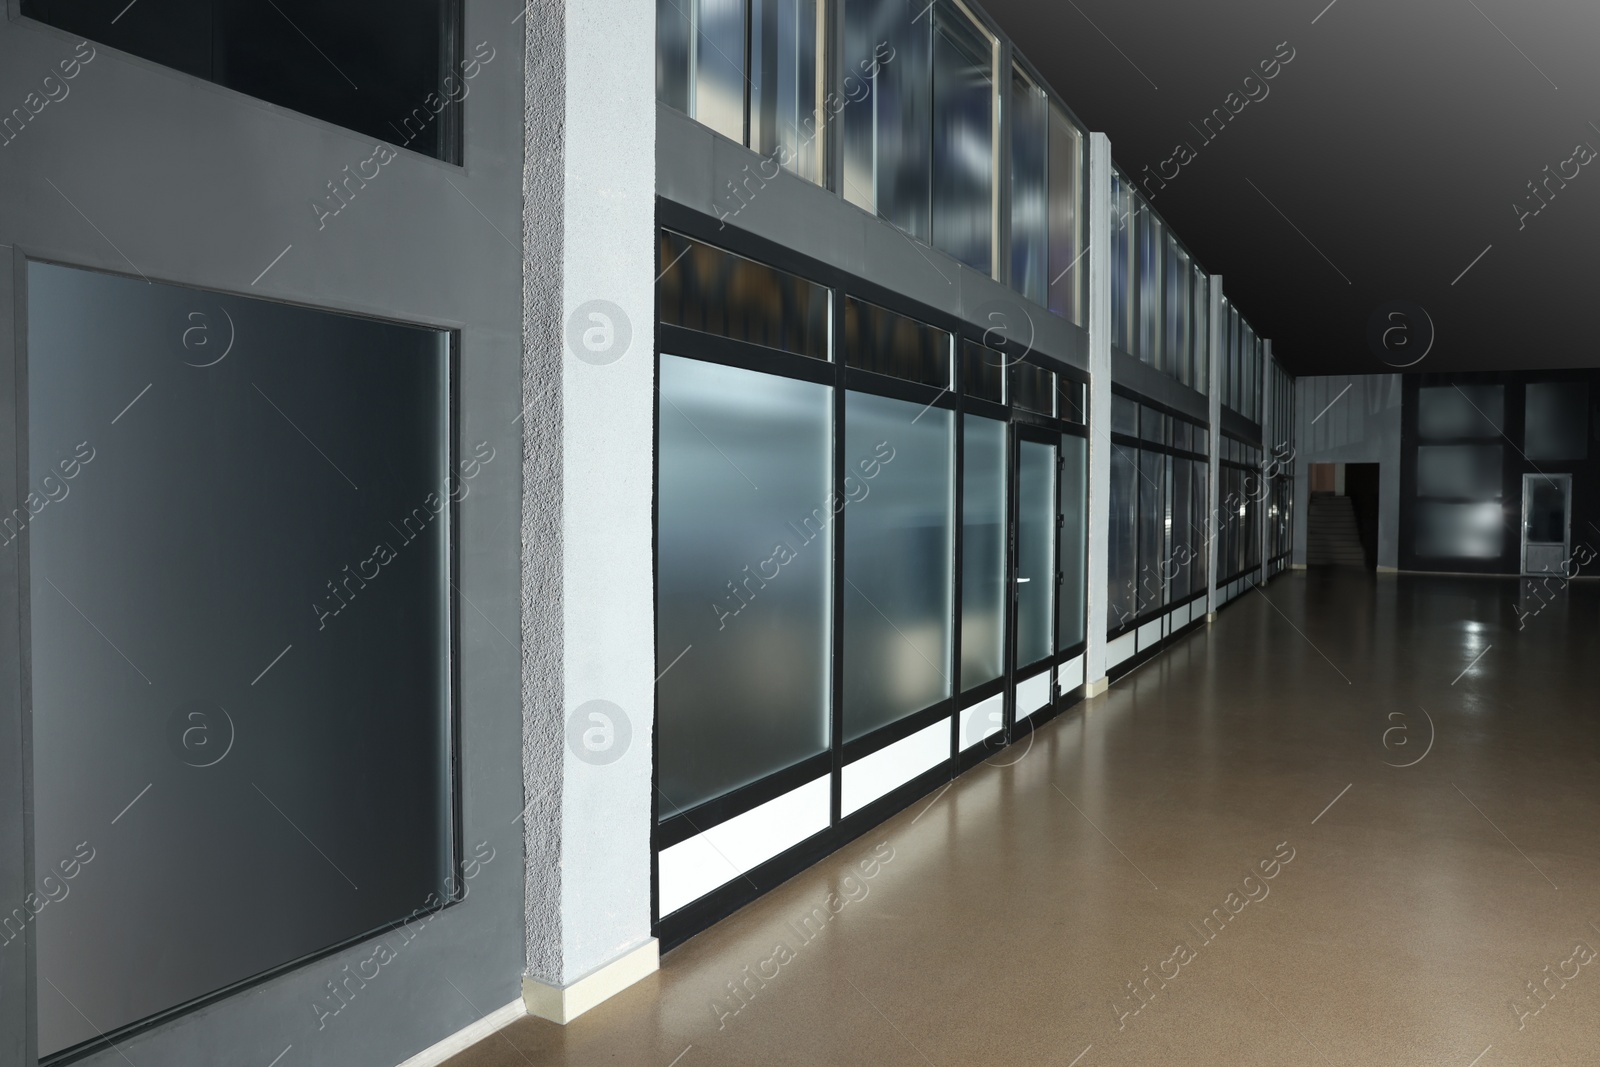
column 1389, row 160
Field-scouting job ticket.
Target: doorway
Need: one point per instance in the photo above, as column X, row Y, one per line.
column 1342, row 527
column 1546, row 523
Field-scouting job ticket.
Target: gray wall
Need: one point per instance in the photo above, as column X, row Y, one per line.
column 696, row 166
column 191, row 183
column 1350, row 419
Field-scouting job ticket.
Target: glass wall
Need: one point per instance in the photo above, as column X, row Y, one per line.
column 1073, row 563
column 899, row 562
column 820, row 613
column 1069, row 236
column 1459, row 460
column 744, row 533
column 749, row 69
column 983, row 551
column 1158, row 529
column 1030, row 189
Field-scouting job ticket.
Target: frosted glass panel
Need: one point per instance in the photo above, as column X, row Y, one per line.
column 1029, row 188
column 1069, row 273
column 1074, row 530
column 744, row 536
column 888, row 126
column 1181, row 558
column 717, row 79
column 240, row 635
column 899, row 550
column 1470, row 471
column 1122, row 551
column 1152, row 530
column 1468, row 531
column 983, row 552
column 783, row 80
column 1460, row 411
column 1036, row 550
column 1558, row 421
column 963, row 137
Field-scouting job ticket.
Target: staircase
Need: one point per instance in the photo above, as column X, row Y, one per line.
column 1332, row 539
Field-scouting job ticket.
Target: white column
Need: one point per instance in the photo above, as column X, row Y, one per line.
column 588, row 588
column 1099, row 253
column 1214, row 469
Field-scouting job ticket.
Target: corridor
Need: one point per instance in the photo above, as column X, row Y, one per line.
column 1352, row 822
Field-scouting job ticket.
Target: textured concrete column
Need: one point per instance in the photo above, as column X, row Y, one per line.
column 588, row 593
column 1214, row 469
column 1099, row 253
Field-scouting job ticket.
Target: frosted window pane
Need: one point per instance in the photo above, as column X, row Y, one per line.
column 1122, row 552
column 1182, row 531
column 744, row 532
column 1466, row 531
column 1152, row 530
column 1074, row 530
column 1036, row 550
column 983, row 552
column 1471, row 471
column 898, row 563
column 963, row 137
column 1460, row 411
column 1069, row 273
column 783, row 79
column 888, row 127
column 1029, row 203
column 1558, row 421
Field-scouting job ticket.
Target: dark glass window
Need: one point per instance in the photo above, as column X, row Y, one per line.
column 963, row 137
column 1124, row 415
column 1069, row 273
column 1557, row 421
column 883, row 342
column 706, row 289
column 1445, row 411
column 983, row 373
column 261, row 499
column 391, row 69
column 1070, row 406
column 1033, row 388
column 1030, row 199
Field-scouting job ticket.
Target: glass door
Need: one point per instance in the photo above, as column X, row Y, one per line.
column 1034, row 579
column 1546, row 523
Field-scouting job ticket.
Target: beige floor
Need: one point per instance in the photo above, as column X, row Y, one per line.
column 1418, row 904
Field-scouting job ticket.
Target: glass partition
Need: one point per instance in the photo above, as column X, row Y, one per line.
column 744, row 536
column 1069, row 272
column 1557, row 421
column 1122, row 548
column 706, row 289
column 1074, row 496
column 963, row 137
column 898, row 578
column 984, row 521
column 1032, row 236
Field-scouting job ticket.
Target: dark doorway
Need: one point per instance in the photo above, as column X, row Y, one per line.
column 1342, row 528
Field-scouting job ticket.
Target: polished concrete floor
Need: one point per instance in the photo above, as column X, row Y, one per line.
column 1440, row 912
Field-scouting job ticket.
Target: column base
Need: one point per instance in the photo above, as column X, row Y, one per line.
column 1096, row 687
column 564, row 1004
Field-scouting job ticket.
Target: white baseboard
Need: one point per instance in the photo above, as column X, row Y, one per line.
column 564, row 1004
column 470, row 1035
column 1096, row 687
